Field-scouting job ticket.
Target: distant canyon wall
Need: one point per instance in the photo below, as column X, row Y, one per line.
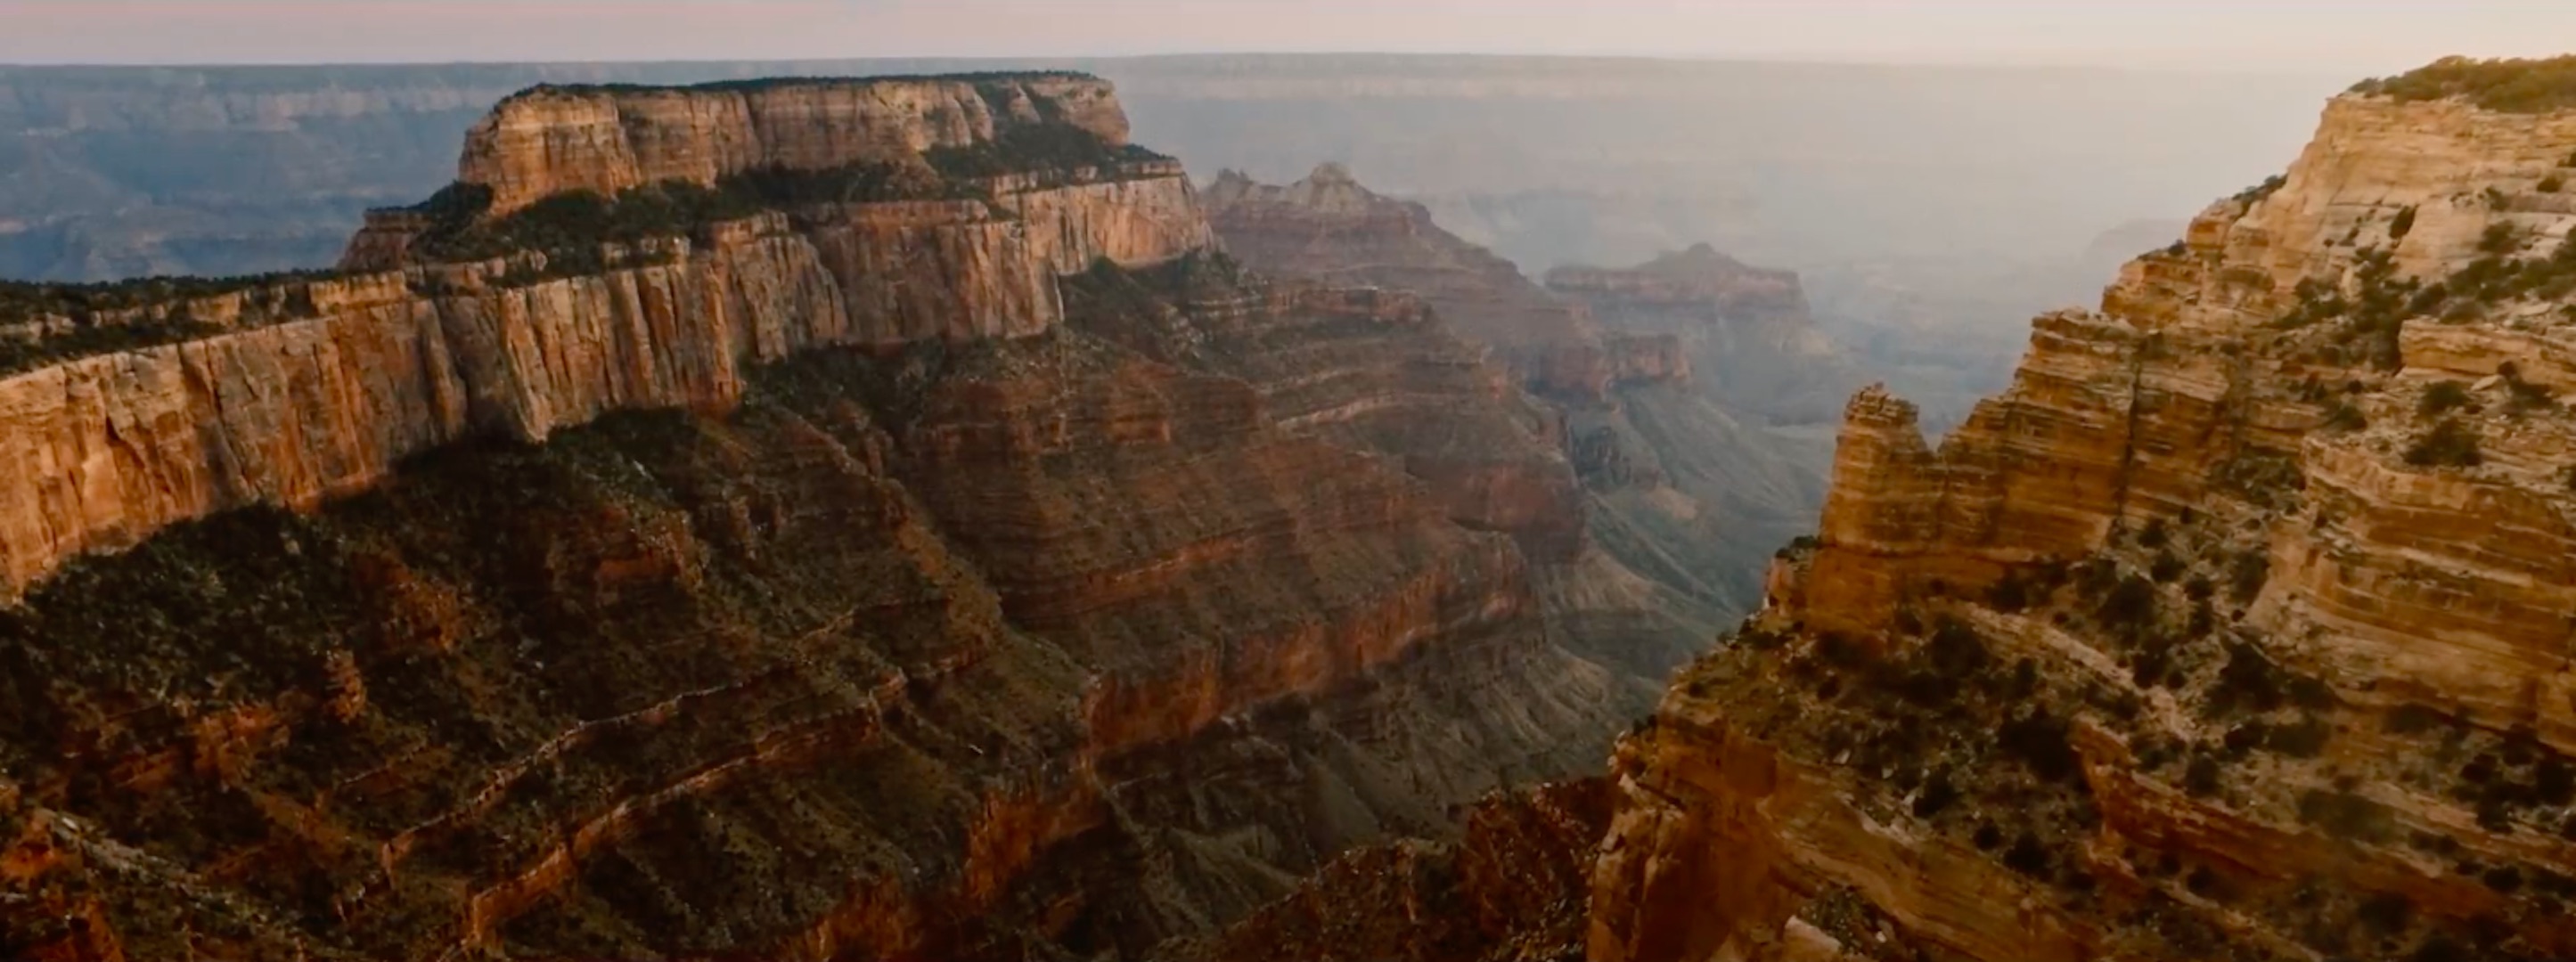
column 287, row 408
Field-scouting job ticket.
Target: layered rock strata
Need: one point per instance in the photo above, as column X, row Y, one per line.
column 1675, row 493
column 622, row 616
column 314, row 388
column 1745, row 330
column 1328, row 226
column 557, row 139
column 1507, row 889
column 2238, row 627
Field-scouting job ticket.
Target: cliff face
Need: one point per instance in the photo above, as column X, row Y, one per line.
column 318, row 388
column 842, row 581
column 1745, row 330
column 2237, row 627
column 554, row 140
column 1330, row 227
column 1675, row 493
column 1681, row 492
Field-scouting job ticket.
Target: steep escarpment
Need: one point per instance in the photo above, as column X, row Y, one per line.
column 837, row 579
column 288, row 391
column 1745, row 330
column 2237, row 628
column 554, row 140
column 1330, row 227
column 1679, row 493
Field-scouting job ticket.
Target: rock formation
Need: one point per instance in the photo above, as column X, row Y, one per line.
column 1328, row 226
column 1680, row 495
column 313, row 388
column 1745, row 330
column 2239, row 627
column 993, row 574
column 552, row 140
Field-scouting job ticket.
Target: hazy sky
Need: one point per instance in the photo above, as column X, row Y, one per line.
column 2355, row 35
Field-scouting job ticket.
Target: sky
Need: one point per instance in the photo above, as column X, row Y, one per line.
column 2348, row 35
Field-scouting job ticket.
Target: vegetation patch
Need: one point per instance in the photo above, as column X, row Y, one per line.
column 2506, row 86
column 2450, row 444
column 103, row 318
column 2443, row 398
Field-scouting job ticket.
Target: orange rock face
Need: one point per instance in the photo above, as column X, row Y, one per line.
column 316, row 389
column 1550, row 465
column 551, row 140
column 2237, row 627
column 863, row 581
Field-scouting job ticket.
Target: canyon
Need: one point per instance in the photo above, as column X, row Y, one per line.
column 990, row 544
column 912, row 538
column 1879, row 186
column 1679, row 485
column 2237, row 627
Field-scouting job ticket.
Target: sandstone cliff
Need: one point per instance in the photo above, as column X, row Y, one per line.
column 849, row 580
column 2237, row 627
column 312, row 388
column 551, row 140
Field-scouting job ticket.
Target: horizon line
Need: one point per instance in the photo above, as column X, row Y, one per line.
column 1706, row 59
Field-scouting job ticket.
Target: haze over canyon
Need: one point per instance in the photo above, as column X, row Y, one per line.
column 1305, row 507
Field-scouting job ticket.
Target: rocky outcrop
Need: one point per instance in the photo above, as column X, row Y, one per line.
column 1746, row 330
column 552, row 140
column 2237, row 626
column 1503, row 891
column 926, row 641
column 1328, row 226
column 984, row 577
column 1673, row 493
column 315, row 388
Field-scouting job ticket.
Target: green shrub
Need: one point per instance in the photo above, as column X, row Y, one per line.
column 2412, row 719
column 140, row 313
column 2012, row 595
column 2403, row 225
column 2027, row 856
column 573, row 225
column 2247, row 574
column 1938, row 793
column 2346, row 814
column 2042, row 742
column 2524, row 397
column 2552, row 184
column 2248, row 682
column 2387, row 913
column 2305, row 739
column 1956, row 651
column 2506, row 86
column 2346, row 417
column 2201, row 777
column 2443, row 398
column 2130, row 604
column 2270, row 185
column 2450, row 444
column 2501, row 237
